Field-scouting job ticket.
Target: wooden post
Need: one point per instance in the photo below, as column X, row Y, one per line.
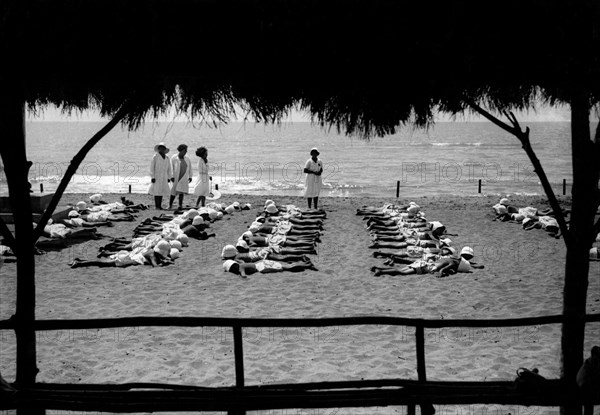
column 129, row 188
column 479, row 187
column 397, row 189
column 564, row 187
column 41, row 187
column 238, row 352
column 426, row 408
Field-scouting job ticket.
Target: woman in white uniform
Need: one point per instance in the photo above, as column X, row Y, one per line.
column 202, row 186
column 313, row 169
column 160, row 173
column 182, row 175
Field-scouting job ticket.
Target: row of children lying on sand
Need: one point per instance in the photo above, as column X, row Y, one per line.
column 532, row 218
column 81, row 222
column 158, row 241
column 529, row 217
column 278, row 240
column 427, row 246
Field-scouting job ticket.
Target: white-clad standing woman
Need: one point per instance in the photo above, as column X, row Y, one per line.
column 182, row 175
column 313, row 169
column 202, row 186
column 160, row 173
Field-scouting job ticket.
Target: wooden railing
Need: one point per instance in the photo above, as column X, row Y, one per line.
column 240, row 398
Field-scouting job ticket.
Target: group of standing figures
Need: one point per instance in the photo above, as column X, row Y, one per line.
column 178, row 170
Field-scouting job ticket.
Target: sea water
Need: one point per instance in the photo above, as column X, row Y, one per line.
column 449, row 158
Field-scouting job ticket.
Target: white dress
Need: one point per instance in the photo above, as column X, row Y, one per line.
column 202, row 185
column 313, row 183
column 183, row 185
column 160, row 170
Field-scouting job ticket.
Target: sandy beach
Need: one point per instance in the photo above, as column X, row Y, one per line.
column 523, row 276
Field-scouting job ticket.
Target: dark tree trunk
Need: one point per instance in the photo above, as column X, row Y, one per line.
column 16, row 167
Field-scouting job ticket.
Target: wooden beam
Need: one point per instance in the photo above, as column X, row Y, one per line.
column 271, row 397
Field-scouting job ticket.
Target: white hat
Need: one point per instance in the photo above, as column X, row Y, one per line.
column 451, row 250
column 255, row 226
column 248, row 234
column 435, row 225
column 213, row 214
column 227, row 264
column 242, row 244
column 314, row 149
column 183, row 238
column 230, row 209
column 219, row 215
column 236, row 205
column 504, row 201
column 464, row 265
column 176, row 244
column 73, row 214
column 81, row 205
column 95, row 198
column 248, row 206
column 174, row 253
column 594, row 254
column 161, row 144
column 413, row 209
column 467, row 250
column 190, row 214
column 500, row 209
column 272, row 209
column 446, row 241
column 229, row 251
column 526, row 221
column 162, row 247
column 269, row 202
column 198, row 220
column 517, row 216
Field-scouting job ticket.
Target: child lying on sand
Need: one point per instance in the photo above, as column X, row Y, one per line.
column 241, row 254
column 441, row 266
column 161, row 254
column 265, row 267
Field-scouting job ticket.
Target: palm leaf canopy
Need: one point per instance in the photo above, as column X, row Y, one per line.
column 365, row 66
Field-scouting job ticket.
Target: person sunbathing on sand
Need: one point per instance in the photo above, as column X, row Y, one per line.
column 442, row 267
column 278, row 239
column 231, row 252
column 271, row 209
column 444, row 263
column 265, row 267
column 506, row 212
column 147, row 241
column 405, row 222
column 77, row 221
column 267, row 227
column 60, row 231
column 400, row 245
column 160, row 255
column 295, row 221
column 407, row 258
column 547, row 223
column 386, row 209
column 260, row 229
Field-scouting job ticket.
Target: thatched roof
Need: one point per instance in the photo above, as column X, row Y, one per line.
column 364, row 65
